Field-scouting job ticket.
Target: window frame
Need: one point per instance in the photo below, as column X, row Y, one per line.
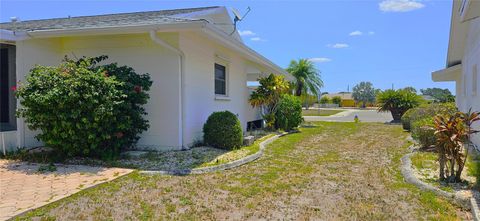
column 226, row 80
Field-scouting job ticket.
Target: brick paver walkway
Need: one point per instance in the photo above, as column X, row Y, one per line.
column 23, row 188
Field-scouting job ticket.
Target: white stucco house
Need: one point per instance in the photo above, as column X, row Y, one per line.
column 463, row 59
column 196, row 59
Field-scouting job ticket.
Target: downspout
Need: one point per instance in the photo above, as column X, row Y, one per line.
column 181, row 64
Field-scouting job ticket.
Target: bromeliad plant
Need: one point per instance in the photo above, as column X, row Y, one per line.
column 267, row 96
column 453, row 137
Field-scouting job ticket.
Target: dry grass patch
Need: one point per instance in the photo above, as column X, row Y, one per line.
column 333, row 171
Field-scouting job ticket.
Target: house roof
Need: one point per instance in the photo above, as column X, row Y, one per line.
column 109, row 20
column 136, row 22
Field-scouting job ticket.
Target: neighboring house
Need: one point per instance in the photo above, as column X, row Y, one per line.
column 195, row 57
column 347, row 99
column 463, row 59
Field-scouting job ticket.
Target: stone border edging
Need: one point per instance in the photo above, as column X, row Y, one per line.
column 220, row 167
column 459, row 199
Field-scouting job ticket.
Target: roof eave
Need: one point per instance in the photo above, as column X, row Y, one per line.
column 108, row 30
column 222, row 37
column 452, row 73
column 450, row 38
column 207, row 28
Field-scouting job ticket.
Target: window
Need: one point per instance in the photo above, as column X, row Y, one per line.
column 474, row 81
column 220, row 79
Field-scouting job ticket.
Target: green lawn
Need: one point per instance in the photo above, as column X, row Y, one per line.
column 332, row 171
column 320, row 112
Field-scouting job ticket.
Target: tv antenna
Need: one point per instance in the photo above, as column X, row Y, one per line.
column 238, row 17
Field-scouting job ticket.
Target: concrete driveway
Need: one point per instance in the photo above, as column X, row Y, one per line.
column 348, row 115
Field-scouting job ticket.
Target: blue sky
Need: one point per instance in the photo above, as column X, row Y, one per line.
column 388, row 42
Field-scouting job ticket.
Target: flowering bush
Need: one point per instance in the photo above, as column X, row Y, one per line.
column 84, row 109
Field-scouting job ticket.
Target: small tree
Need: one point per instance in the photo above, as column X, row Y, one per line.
column 337, row 100
column 364, row 93
column 267, row 96
column 410, row 89
column 397, row 102
column 441, row 95
column 324, row 100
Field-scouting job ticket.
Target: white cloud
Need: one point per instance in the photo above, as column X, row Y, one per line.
column 257, row 39
column 356, row 33
column 371, row 32
column 400, row 5
column 246, row 33
column 338, row 45
column 320, row 60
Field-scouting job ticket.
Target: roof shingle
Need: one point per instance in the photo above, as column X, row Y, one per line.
column 109, row 20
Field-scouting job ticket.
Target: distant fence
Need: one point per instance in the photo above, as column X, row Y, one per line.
column 326, row 105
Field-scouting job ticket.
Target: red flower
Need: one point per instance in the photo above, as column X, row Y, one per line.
column 14, row 88
column 119, row 134
column 137, row 89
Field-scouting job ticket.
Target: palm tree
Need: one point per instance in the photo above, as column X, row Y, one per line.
column 307, row 77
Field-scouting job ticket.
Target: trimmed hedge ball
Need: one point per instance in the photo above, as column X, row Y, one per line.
column 223, row 130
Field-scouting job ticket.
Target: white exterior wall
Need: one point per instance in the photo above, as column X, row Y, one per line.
column 466, row 97
column 145, row 56
column 137, row 51
column 200, row 100
column 29, row 53
column 142, row 54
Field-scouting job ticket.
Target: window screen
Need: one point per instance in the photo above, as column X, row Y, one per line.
column 220, row 80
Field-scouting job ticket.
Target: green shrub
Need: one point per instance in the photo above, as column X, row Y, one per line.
column 423, row 131
column 406, row 119
column 82, row 109
column 289, row 112
column 324, row 100
column 337, row 100
column 426, row 111
column 223, row 130
column 430, row 110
